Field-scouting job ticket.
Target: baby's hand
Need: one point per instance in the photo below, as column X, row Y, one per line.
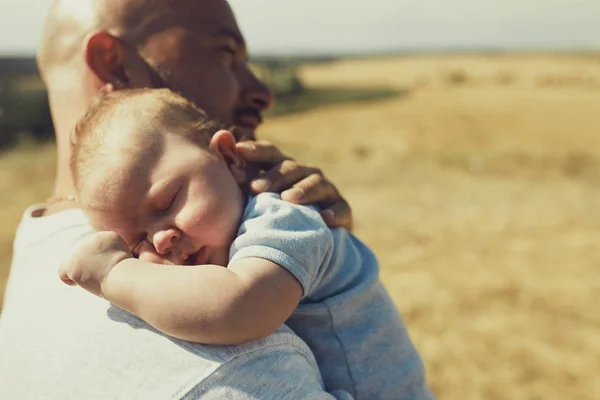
column 93, row 261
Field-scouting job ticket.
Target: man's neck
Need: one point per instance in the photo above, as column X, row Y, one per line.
column 58, row 207
column 64, row 190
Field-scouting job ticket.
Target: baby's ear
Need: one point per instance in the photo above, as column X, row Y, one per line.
column 223, row 143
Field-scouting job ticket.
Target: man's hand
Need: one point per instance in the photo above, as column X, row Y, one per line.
column 93, row 261
column 299, row 184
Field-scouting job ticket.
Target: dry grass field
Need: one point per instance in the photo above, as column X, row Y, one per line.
column 479, row 190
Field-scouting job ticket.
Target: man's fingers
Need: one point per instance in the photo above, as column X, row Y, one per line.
column 281, row 177
column 301, row 184
column 338, row 215
column 262, row 153
column 313, row 189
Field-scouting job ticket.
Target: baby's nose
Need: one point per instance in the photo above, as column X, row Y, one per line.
column 164, row 240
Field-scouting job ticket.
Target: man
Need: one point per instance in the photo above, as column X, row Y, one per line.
column 57, row 342
column 60, row 343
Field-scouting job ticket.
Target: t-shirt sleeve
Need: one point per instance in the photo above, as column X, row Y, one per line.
column 292, row 236
column 274, row 373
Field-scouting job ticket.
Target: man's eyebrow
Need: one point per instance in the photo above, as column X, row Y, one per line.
column 232, row 34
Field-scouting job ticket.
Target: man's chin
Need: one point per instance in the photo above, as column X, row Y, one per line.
column 243, row 134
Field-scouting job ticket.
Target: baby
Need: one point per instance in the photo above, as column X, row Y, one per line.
column 183, row 246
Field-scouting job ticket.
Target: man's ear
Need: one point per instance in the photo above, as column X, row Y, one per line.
column 223, row 144
column 105, row 56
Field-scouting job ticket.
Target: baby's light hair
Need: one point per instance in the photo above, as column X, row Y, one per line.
column 156, row 110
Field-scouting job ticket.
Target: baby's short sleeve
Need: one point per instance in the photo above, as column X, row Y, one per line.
column 293, row 236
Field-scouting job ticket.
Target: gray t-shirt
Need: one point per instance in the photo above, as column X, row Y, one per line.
column 59, row 342
column 346, row 316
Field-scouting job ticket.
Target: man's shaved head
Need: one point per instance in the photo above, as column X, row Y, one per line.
column 193, row 47
column 69, row 21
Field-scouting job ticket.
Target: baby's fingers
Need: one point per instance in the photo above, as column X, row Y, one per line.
column 63, row 274
column 68, row 281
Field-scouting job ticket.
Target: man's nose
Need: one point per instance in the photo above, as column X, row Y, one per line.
column 164, row 240
column 254, row 92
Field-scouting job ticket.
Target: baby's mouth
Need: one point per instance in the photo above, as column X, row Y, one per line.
column 198, row 258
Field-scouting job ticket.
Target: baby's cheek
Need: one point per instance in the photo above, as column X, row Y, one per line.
column 199, row 225
column 209, row 223
column 222, row 231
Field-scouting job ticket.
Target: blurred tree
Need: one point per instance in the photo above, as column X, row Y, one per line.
column 24, row 110
column 25, row 114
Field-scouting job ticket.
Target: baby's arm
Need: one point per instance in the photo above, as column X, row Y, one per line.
column 276, row 259
column 207, row 304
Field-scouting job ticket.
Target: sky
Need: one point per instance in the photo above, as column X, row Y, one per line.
column 372, row 26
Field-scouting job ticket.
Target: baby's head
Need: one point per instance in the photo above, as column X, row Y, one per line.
column 150, row 166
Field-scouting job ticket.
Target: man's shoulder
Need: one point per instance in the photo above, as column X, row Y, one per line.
column 42, row 244
column 57, row 334
column 36, row 229
column 51, row 333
